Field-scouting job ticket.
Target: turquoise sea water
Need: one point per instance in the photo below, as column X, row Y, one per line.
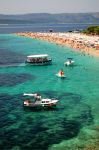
column 74, row 124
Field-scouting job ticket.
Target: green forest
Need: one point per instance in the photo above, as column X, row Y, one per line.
column 92, row 30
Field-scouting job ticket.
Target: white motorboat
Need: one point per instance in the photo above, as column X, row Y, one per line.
column 69, row 62
column 39, row 102
column 42, row 59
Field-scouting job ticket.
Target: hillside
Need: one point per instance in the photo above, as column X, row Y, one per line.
column 50, row 18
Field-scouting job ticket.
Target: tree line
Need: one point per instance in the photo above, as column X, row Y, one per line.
column 94, row 30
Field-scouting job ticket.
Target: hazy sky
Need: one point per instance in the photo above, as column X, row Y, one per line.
column 48, row 6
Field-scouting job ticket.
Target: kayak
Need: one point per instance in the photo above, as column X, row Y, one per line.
column 60, row 76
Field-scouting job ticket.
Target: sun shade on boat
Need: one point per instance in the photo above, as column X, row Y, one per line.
column 37, row 56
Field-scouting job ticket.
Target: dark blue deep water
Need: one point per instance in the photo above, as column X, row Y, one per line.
column 7, row 28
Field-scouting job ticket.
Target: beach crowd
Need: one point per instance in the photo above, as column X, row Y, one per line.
column 88, row 44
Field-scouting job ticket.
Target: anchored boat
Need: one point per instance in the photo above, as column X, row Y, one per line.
column 38, row 101
column 42, row 59
column 69, row 62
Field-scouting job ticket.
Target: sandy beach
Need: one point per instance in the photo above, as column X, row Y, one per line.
column 78, row 41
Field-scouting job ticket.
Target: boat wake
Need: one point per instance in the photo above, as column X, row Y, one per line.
column 12, row 65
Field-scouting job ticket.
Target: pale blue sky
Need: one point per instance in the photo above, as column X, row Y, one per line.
column 48, row 6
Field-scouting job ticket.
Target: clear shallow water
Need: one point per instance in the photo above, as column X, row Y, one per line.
column 75, row 121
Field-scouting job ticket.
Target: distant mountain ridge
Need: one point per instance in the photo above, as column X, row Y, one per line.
column 50, row 18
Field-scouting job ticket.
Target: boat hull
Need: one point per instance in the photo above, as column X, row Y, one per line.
column 39, row 63
column 69, row 63
column 40, row 106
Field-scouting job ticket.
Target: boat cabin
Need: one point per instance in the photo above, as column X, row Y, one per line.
column 39, row 59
